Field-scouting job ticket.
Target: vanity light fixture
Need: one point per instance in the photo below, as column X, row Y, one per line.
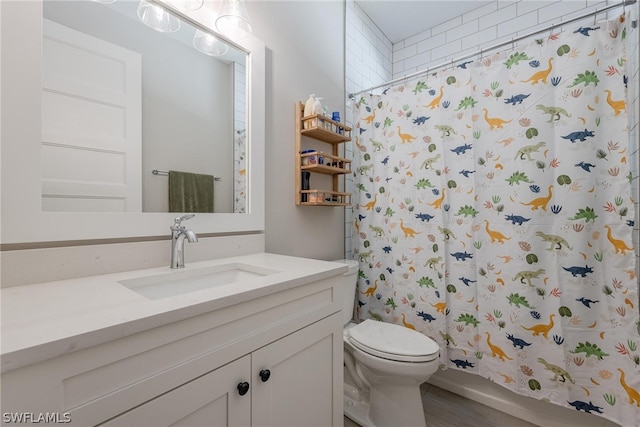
column 157, row 18
column 233, row 19
column 209, row 44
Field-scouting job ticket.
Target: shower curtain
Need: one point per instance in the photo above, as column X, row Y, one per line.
column 494, row 214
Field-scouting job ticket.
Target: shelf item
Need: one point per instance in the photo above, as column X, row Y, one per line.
column 327, row 131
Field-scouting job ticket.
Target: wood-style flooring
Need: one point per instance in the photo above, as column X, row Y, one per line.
column 446, row 409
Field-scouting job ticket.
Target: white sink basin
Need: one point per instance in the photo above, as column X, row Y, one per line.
column 186, row 281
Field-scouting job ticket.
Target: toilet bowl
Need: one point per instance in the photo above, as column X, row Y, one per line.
column 385, row 364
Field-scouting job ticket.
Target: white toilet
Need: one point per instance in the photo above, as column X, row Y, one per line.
column 385, row 364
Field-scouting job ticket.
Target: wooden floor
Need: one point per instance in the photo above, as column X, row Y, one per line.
column 445, row 409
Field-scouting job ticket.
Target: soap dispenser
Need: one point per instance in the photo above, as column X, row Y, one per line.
column 308, row 109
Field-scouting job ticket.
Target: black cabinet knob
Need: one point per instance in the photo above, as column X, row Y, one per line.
column 265, row 374
column 243, row 388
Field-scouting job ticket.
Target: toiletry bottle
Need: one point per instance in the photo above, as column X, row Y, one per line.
column 317, row 109
column 308, row 109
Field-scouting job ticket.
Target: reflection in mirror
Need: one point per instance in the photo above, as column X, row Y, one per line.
column 120, row 100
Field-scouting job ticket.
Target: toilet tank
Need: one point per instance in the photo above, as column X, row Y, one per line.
column 348, row 288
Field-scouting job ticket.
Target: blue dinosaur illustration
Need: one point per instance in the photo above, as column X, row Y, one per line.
column 361, row 217
column 579, row 135
column 420, row 120
column 386, row 249
column 464, row 364
column 587, row 302
column 465, row 173
column 461, row 149
column 461, row 256
column 361, row 303
column 585, row 166
column 426, row 316
column 466, row 281
column 585, row 30
column 577, row 270
column 424, row 217
column 464, row 65
column 385, row 160
column 516, row 99
column 516, row 219
column 518, row 341
column 586, row 407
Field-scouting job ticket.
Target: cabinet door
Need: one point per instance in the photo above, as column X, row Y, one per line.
column 210, row 400
column 304, row 387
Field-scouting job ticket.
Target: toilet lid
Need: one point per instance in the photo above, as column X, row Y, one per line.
column 393, row 342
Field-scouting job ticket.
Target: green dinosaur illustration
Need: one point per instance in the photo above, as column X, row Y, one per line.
column 364, row 256
column 586, row 78
column 517, row 177
column 468, row 319
column 361, row 187
column 428, row 162
column 445, row 130
column 390, row 302
column 589, row 350
column 588, row 214
column 554, row 112
column 377, row 146
column 517, row 300
column 377, row 231
column 466, row 103
column 467, row 210
column 387, row 122
column 389, row 212
column 516, row 58
column 420, row 86
column 528, row 149
column 375, row 316
column 364, row 169
column 447, row 233
column 426, row 282
column 433, row 262
column 526, row 276
column 447, row 338
column 556, row 241
column 559, row 374
column 423, row 183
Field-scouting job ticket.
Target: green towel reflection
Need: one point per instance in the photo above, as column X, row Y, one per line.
column 190, row 192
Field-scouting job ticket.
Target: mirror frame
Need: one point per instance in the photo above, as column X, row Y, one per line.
column 23, row 220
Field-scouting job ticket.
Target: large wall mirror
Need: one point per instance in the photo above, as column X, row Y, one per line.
column 98, row 109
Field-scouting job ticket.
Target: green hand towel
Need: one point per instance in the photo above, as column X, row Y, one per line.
column 190, row 192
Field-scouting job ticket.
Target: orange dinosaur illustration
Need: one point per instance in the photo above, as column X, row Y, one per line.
column 406, row 324
column 495, row 350
column 440, row 307
column 372, row 204
column 495, row 235
column 634, row 395
column 371, row 291
column 618, row 245
column 617, row 106
column 369, row 119
column 540, row 202
column 540, row 76
column 408, row 232
column 494, row 122
column 405, row 137
column 541, row 328
column 436, row 101
column 437, row 204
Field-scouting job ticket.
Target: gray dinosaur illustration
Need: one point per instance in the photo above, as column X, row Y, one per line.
column 554, row 112
column 556, row 241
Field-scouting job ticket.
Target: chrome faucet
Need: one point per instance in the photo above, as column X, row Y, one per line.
column 178, row 234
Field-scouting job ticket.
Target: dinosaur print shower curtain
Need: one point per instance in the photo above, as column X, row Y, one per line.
column 494, row 214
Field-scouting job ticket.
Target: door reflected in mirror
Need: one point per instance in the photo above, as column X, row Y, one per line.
column 120, row 100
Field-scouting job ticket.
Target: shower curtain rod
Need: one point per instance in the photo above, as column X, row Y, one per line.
column 496, row 46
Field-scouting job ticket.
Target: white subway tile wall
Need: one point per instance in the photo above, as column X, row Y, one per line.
column 371, row 59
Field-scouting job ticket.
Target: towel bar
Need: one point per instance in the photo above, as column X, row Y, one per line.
column 161, row 172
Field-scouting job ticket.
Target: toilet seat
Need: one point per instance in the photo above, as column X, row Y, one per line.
column 393, row 342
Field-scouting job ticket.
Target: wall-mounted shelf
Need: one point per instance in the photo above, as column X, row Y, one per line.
column 332, row 133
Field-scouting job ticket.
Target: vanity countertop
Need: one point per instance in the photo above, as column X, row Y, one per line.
column 46, row 320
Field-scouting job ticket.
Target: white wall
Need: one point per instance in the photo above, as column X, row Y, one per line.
column 305, row 54
column 487, row 25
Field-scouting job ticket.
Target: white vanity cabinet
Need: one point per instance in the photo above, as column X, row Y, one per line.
column 188, row 372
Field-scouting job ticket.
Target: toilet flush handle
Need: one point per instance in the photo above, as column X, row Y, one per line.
column 265, row 374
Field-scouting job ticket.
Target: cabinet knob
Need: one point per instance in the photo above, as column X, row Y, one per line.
column 243, row 388
column 265, row 374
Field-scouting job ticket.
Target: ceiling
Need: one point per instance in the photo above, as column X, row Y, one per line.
column 399, row 19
